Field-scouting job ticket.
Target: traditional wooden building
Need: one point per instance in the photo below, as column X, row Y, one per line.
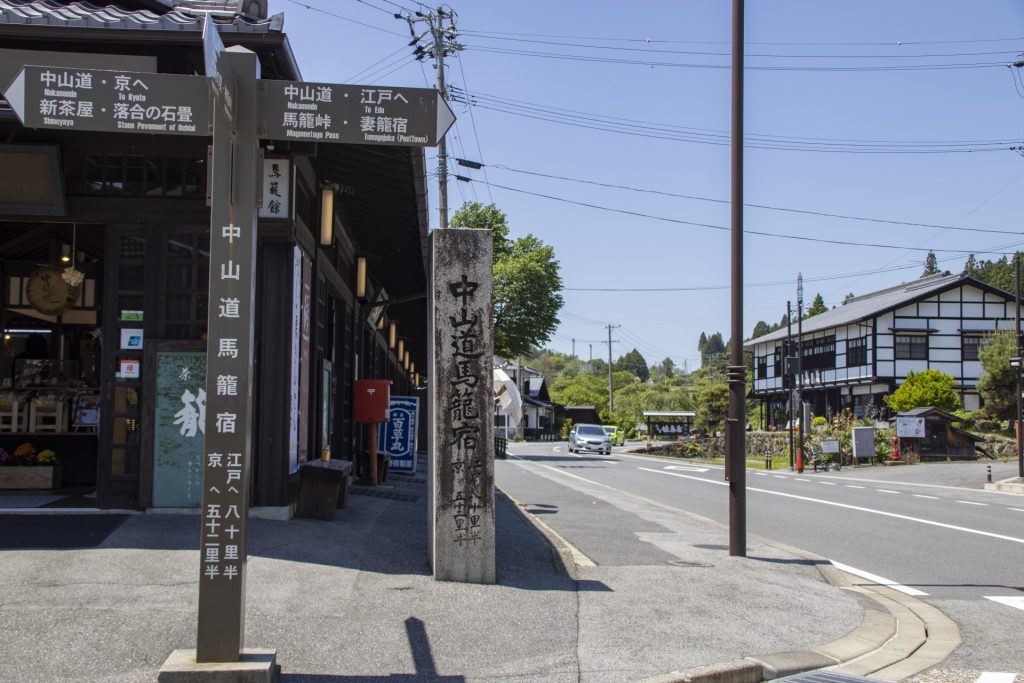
column 855, row 354
column 341, row 268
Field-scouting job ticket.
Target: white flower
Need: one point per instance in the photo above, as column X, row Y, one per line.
column 73, row 277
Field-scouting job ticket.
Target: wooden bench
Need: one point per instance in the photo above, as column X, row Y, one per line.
column 323, row 488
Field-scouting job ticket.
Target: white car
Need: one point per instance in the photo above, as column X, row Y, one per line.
column 587, row 437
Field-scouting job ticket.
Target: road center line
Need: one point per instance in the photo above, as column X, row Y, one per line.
column 874, row 578
column 779, row 476
column 969, row 502
column 1017, row 510
column 921, row 495
column 996, row 677
column 833, row 503
column 828, row 483
column 1010, row 601
column 853, row 486
column 886, row 491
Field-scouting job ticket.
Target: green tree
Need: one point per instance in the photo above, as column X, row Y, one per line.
column 598, row 368
column 552, row 364
column 999, row 273
column 817, row 306
column 998, row 382
column 711, row 348
column 846, row 299
column 760, row 329
column 712, row 400
column 931, row 265
column 527, row 283
column 971, row 265
column 633, row 362
column 668, row 368
column 927, row 388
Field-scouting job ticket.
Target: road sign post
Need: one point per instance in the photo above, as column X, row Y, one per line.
column 227, row 455
column 244, row 110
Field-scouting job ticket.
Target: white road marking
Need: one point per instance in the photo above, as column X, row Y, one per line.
column 996, row 677
column 761, row 474
column 919, row 495
column 802, row 479
column 886, row 491
column 828, row 483
column 919, row 520
column 779, row 476
column 970, row 502
column 1017, row 510
column 686, row 468
column 853, row 486
column 876, row 579
column 1011, row 601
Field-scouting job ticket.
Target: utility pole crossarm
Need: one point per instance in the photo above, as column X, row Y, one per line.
column 443, row 43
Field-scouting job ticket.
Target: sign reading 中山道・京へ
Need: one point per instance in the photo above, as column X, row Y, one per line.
column 398, row 435
column 110, row 101
column 354, row 114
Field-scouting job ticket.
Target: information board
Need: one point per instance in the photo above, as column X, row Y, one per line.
column 910, row 427
column 179, row 428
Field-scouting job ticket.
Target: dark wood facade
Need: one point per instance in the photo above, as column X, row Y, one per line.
column 136, row 210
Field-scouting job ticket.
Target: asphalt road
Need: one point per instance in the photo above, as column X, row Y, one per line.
column 961, row 549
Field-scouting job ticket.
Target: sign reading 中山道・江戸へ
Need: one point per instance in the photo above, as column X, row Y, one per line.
column 354, row 114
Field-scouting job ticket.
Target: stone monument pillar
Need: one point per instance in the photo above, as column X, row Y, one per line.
column 462, row 401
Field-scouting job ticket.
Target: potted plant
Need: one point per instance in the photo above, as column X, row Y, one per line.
column 27, row 468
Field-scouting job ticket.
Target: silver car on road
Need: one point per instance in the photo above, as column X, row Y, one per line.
column 587, row 437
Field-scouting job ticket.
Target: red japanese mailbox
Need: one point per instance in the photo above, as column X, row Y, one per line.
column 371, row 400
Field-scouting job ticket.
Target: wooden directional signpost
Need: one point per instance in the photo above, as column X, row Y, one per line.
column 233, row 105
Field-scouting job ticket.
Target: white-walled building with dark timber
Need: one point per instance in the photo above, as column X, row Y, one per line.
column 855, row 354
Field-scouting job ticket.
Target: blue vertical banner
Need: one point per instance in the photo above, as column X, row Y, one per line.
column 397, row 436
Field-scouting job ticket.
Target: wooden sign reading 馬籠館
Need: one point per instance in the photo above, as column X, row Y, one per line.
column 462, row 426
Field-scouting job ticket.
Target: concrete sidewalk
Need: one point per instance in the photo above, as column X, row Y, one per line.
column 353, row 600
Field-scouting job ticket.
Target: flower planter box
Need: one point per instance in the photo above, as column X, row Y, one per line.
column 30, row 477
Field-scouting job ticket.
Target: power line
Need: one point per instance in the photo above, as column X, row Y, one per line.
column 709, row 132
column 757, row 206
column 472, row 120
column 690, row 65
column 659, row 131
column 725, row 42
column 651, row 50
column 799, row 238
column 343, row 18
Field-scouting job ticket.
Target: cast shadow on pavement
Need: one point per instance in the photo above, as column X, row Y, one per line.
column 422, row 656
column 370, row 535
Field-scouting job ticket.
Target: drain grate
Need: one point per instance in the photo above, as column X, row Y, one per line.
column 685, row 563
column 378, row 493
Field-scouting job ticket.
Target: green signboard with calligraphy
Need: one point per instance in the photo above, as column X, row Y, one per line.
column 179, row 426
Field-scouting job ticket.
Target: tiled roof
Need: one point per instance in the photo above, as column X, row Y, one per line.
column 867, row 306
column 182, row 17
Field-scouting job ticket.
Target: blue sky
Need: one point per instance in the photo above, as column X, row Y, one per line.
column 823, row 78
